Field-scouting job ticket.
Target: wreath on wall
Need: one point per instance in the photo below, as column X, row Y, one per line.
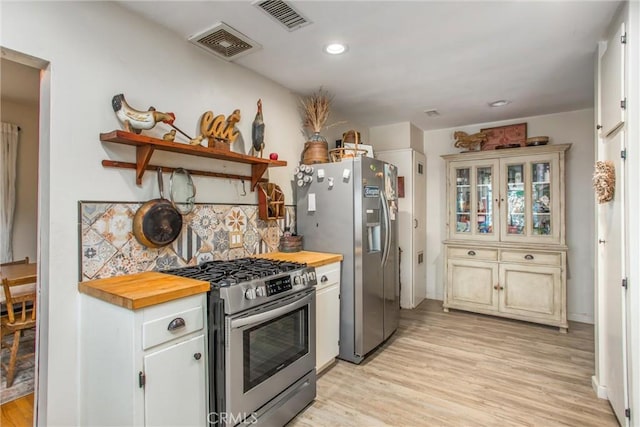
column 604, row 180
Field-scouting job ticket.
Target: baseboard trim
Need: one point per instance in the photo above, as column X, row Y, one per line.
column 582, row 318
column 601, row 391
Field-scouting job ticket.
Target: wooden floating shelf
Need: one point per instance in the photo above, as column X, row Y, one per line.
column 145, row 146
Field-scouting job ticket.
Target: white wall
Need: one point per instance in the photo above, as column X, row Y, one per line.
column 575, row 127
column 26, row 210
column 340, row 123
column 97, row 50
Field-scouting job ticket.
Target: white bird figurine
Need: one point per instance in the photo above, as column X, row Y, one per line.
column 135, row 120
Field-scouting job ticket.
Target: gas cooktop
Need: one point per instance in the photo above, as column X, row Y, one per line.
column 226, row 273
column 249, row 282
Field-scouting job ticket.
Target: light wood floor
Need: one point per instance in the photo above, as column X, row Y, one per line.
column 465, row 369
column 18, row 413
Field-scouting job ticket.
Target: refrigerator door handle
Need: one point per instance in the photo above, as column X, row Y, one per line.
column 387, row 228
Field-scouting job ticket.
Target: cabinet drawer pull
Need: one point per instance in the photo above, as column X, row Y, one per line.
column 324, row 279
column 528, row 257
column 471, row 253
column 197, row 356
column 176, row 323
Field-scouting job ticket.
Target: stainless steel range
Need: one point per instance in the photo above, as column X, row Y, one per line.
column 261, row 317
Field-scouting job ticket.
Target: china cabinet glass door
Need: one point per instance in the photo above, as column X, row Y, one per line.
column 516, row 210
column 463, row 200
column 530, row 209
column 484, row 197
column 541, row 214
column 473, row 208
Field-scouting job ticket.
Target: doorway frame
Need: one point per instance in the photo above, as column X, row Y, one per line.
column 43, row 222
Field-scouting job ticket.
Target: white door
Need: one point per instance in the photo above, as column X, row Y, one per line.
column 611, row 270
column 327, row 324
column 419, row 228
column 175, row 389
column 612, row 83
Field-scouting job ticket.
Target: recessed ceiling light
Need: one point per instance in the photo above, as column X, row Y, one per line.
column 335, row 48
column 499, row 103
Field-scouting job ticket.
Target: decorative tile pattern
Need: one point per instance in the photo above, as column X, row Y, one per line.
column 108, row 247
column 115, row 225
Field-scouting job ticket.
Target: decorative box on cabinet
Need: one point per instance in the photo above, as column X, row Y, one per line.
column 327, row 315
column 412, row 218
column 144, row 367
column 505, row 254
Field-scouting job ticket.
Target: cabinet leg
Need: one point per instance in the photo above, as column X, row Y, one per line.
column 445, row 309
column 563, row 330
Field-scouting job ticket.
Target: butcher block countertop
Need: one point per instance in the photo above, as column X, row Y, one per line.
column 140, row 290
column 312, row 259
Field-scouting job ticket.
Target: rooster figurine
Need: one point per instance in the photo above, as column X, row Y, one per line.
column 135, row 120
column 257, row 131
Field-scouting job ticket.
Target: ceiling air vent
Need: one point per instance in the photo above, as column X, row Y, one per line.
column 283, row 12
column 225, row 42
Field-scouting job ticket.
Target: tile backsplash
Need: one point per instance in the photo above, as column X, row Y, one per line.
column 109, row 248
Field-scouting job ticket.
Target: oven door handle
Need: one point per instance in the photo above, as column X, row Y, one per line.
column 271, row 314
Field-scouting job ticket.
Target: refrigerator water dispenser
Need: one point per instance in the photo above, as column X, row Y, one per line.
column 373, row 230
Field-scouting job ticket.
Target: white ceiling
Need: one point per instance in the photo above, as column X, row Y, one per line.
column 406, row 57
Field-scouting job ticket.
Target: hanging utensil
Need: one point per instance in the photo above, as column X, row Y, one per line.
column 182, row 191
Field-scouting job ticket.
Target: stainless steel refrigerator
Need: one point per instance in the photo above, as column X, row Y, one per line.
column 350, row 207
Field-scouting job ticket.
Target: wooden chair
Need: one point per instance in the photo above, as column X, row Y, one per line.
column 22, row 289
column 21, row 315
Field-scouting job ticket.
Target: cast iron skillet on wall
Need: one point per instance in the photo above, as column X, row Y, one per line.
column 157, row 223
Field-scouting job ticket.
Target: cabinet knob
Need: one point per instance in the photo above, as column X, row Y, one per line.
column 471, row 253
column 176, row 323
column 197, row 356
column 324, row 279
column 496, row 287
column 528, row 257
column 501, row 288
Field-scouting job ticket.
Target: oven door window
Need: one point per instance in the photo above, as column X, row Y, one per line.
column 273, row 345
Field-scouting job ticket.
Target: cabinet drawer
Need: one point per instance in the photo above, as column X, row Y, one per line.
column 173, row 326
column 327, row 275
column 532, row 257
column 474, row 253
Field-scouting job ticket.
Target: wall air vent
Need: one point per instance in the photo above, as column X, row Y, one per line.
column 225, row 42
column 283, row 12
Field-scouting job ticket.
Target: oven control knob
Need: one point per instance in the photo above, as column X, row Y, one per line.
column 297, row 280
column 260, row 291
column 312, row 275
column 250, row 293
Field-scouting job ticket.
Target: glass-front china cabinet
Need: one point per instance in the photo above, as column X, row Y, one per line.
column 505, row 252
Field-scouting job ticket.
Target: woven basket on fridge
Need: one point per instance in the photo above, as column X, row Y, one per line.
column 337, row 154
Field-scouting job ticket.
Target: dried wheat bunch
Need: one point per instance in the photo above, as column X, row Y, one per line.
column 315, row 110
column 604, row 181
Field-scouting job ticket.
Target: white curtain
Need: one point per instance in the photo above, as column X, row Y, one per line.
column 8, row 160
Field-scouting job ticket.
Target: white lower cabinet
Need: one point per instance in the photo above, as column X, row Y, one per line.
column 521, row 284
column 327, row 315
column 533, row 292
column 145, row 367
column 172, row 374
column 471, row 285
